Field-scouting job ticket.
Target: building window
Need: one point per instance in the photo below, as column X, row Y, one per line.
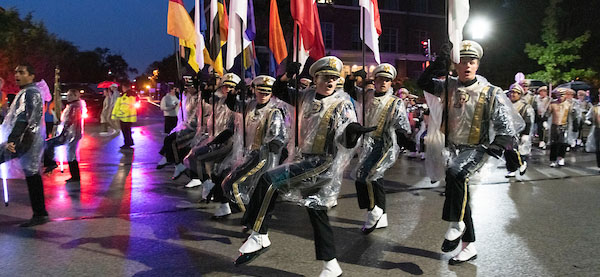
column 393, row 5
column 420, row 6
column 356, row 42
column 328, row 31
column 388, row 42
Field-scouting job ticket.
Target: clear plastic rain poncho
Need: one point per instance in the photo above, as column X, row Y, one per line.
column 27, row 107
column 222, row 118
column 388, row 113
column 188, row 118
column 593, row 116
column 477, row 114
column 436, row 155
column 263, row 126
column 72, row 127
column 322, row 123
column 525, row 137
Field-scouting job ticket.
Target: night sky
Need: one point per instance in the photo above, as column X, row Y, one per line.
column 135, row 29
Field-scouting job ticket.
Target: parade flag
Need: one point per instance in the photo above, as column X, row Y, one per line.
column 249, row 51
column 200, row 28
column 306, row 16
column 276, row 39
column 458, row 14
column 372, row 25
column 237, row 35
column 218, row 34
column 187, row 51
column 179, row 23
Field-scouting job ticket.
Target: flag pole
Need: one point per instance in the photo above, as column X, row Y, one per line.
column 178, row 80
column 446, row 100
column 297, row 127
column 242, row 77
column 362, row 11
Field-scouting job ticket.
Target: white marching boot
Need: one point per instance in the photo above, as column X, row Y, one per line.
column 331, row 269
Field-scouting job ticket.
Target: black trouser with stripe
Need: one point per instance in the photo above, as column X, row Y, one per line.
column 456, row 205
column 514, row 160
column 176, row 149
column 262, row 202
column 597, row 140
column 370, row 193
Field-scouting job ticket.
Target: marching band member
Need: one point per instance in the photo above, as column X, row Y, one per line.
column 328, row 133
column 380, row 148
column 473, row 105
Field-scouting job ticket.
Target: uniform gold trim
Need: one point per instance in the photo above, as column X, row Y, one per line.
column 370, row 184
column 464, row 204
column 475, row 132
column 236, row 190
column 381, row 122
column 519, row 157
column 321, row 136
column 260, row 133
column 565, row 113
column 263, row 209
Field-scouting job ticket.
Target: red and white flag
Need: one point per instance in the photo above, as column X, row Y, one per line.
column 372, row 26
column 458, row 14
column 306, row 16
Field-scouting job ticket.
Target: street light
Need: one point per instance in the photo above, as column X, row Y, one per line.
column 479, row 27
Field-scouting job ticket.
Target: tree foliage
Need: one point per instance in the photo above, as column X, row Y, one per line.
column 24, row 40
column 555, row 55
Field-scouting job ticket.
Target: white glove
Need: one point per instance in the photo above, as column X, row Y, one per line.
column 587, row 122
column 545, row 125
column 524, row 139
column 415, row 119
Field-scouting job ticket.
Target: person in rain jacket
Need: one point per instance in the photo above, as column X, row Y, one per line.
column 72, row 132
column 22, row 137
column 125, row 112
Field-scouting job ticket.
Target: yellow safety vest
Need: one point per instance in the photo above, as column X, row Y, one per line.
column 124, row 109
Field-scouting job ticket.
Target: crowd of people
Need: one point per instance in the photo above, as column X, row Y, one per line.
column 245, row 145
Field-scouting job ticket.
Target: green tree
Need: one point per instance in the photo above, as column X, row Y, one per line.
column 555, row 55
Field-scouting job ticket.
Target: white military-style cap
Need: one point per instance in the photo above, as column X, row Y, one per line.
column 329, row 65
column 516, row 88
column 263, row 83
column 385, row 70
column 230, row 79
column 340, row 83
column 471, row 49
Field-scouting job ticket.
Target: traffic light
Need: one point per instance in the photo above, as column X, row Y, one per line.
column 425, row 47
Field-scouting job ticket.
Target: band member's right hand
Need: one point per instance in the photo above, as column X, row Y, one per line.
column 292, row 69
column 360, row 73
column 545, row 125
column 11, row 147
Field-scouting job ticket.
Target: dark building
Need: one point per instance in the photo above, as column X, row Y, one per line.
column 405, row 24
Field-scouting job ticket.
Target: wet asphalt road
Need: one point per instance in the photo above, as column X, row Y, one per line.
column 126, row 218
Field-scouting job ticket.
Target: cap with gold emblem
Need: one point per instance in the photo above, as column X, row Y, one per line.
column 340, row 83
column 329, row 65
column 471, row 49
column 229, row 79
column 516, row 88
column 385, row 70
column 263, row 83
